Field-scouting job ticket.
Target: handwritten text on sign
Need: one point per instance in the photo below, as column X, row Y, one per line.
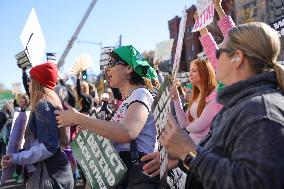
column 100, row 162
column 205, row 18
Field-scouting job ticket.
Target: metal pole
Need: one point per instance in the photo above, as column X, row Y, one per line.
column 75, row 35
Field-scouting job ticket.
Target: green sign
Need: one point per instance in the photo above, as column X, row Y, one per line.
column 4, row 97
column 100, row 162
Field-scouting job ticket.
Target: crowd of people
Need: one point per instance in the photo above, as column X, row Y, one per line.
column 227, row 130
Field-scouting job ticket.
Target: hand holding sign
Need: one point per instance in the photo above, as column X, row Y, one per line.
column 153, row 166
column 177, row 142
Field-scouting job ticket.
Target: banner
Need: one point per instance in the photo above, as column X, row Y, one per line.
column 16, row 141
column 179, row 43
column 32, row 39
column 278, row 25
column 163, row 50
column 161, row 109
column 205, row 14
column 98, row 159
column 105, row 58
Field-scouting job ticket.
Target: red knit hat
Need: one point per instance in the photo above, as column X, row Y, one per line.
column 46, row 74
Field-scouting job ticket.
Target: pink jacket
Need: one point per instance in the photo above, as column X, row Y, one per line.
column 200, row 127
column 208, row 43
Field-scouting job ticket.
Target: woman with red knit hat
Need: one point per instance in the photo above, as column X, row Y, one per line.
column 42, row 157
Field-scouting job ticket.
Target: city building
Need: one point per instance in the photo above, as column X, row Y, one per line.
column 266, row 11
column 191, row 44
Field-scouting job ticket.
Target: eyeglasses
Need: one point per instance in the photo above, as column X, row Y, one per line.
column 112, row 63
column 221, row 50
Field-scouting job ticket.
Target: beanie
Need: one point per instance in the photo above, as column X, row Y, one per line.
column 46, row 74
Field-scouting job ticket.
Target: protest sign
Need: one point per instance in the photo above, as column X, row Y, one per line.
column 32, row 39
column 177, row 178
column 6, row 97
column 179, row 43
column 100, row 162
column 183, row 77
column 105, row 58
column 205, row 14
column 16, row 140
column 161, row 109
column 163, row 50
column 278, row 25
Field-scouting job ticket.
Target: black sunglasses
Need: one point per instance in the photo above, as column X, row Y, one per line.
column 112, row 63
column 221, row 50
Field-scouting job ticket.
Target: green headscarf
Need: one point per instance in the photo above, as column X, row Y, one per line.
column 132, row 57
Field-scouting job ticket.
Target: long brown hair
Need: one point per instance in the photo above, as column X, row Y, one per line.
column 207, row 85
column 42, row 93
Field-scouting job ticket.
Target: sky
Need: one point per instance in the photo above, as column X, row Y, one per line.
column 142, row 23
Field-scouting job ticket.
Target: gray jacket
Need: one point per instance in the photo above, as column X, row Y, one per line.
column 245, row 147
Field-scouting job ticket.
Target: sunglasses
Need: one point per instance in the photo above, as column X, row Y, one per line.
column 221, row 50
column 112, row 63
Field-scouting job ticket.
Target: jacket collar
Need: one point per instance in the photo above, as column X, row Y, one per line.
column 254, row 86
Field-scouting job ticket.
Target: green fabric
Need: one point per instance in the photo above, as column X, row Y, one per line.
column 132, row 57
column 220, row 86
column 189, row 86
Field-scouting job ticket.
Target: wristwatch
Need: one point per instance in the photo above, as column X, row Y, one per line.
column 188, row 159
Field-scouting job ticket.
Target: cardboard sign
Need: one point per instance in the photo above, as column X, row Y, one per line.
column 278, row 25
column 179, row 43
column 100, row 162
column 32, row 39
column 161, row 109
column 163, row 50
column 105, row 58
column 205, row 17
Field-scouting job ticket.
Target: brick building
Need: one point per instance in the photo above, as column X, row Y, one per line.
column 191, row 44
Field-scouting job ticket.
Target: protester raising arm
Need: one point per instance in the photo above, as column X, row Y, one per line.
column 26, row 79
column 209, row 45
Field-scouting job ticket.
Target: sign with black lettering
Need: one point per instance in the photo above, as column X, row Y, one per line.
column 161, row 109
column 278, row 25
column 100, row 162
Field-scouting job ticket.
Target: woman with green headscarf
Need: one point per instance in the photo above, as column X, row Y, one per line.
column 132, row 127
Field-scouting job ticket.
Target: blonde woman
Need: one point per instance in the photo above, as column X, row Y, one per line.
column 245, row 146
column 42, row 153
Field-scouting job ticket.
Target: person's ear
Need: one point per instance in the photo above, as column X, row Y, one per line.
column 129, row 69
column 238, row 58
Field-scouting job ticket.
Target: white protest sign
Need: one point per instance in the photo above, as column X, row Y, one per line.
column 183, row 77
column 179, row 43
column 161, row 109
column 278, row 25
column 105, row 58
column 163, row 50
column 205, row 17
column 32, row 38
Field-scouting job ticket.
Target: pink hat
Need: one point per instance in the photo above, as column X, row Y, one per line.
column 46, row 74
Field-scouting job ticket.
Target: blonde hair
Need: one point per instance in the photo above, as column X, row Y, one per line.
column 261, row 46
column 42, row 93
